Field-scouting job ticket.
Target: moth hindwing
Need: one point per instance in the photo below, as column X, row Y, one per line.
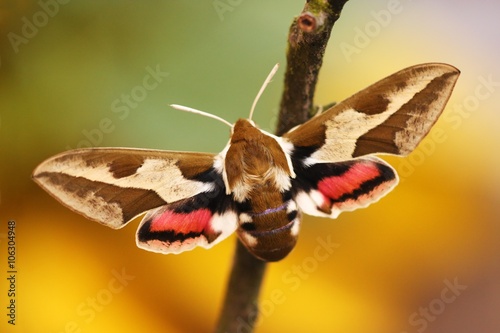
column 259, row 184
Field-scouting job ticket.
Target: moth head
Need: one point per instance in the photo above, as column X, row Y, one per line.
column 244, row 129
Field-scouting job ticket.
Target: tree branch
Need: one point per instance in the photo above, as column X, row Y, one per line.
column 307, row 40
column 240, row 309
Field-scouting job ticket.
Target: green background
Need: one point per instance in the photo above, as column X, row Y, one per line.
column 61, row 80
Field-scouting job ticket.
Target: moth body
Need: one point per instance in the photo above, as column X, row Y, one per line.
column 258, row 175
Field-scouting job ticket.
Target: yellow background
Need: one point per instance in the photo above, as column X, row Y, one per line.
column 440, row 224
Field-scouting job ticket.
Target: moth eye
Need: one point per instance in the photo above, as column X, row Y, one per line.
column 248, row 226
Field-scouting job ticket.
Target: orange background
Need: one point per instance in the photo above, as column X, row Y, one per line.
column 393, row 260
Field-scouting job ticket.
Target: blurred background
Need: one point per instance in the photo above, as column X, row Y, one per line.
column 72, row 74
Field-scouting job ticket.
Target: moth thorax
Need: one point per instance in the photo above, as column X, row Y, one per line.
column 254, row 159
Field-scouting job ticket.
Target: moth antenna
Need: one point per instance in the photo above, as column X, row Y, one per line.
column 264, row 85
column 206, row 114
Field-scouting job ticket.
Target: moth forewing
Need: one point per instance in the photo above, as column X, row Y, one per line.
column 391, row 116
column 114, row 185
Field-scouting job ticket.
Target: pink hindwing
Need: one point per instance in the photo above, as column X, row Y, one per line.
column 260, row 183
column 327, row 189
column 202, row 220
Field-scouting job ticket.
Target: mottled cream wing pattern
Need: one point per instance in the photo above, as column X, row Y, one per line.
column 82, row 179
column 86, row 203
column 391, row 116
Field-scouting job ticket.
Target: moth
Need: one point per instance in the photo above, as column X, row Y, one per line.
column 259, row 184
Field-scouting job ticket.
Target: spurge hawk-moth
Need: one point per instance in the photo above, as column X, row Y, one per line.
column 260, row 183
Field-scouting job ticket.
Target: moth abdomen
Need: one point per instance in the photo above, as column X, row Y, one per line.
column 272, row 233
